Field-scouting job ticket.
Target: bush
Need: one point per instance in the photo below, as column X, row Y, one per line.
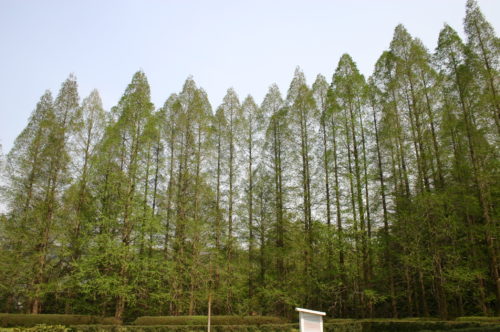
column 16, row 320
column 415, row 326
column 203, row 320
column 398, row 325
column 105, row 328
column 188, row 328
column 344, row 326
column 478, row 319
column 41, row 328
column 472, row 329
column 339, row 325
column 109, row 321
column 336, row 327
column 358, row 326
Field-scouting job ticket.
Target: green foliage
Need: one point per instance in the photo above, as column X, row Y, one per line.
column 190, row 324
column 42, row 328
column 471, row 329
column 386, row 325
column 203, row 320
column 15, row 320
column 361, row 197
column 416, row 326
column 478, row 319
column 189, row 328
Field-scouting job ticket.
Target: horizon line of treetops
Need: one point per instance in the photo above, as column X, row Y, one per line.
column 361, row 198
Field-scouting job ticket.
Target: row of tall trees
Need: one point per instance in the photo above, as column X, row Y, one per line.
column 360, row 197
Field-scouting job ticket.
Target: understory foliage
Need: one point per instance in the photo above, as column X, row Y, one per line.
column 362, row 197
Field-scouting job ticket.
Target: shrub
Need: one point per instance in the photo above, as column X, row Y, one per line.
column 203, row 320
column 42, row 328
column 106, row 328
column 188, row 328
column 472, row 329
column 26, row 320
column 109, row 321
column 376, row 325
column 478, row 319
column 344, row 326
column 398, row 325
column 415, row 326
column 255, row 328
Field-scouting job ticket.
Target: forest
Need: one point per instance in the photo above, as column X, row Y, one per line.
column 361, row 197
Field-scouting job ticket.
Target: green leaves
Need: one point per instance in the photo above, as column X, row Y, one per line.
column 374, row 197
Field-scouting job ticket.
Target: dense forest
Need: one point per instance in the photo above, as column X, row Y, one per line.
column 374, row 197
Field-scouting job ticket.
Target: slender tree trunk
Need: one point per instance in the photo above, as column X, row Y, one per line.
column 369, row 259
column 278, row 198
column 340, row 235
column 155, row 193
column 197, row 214
column 409, row 291
column 145, row 202
column 435, row 145
column 353, row 195
column 218, row 218
column 250, row 211
column 387, row 250
column 262, row 238
column 231, row 184
column 326, row 166
column 170, row 192
column 441, row 295
column 230, row 238
column 306, row 196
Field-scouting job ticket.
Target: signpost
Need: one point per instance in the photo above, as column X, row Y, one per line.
column 310, row 320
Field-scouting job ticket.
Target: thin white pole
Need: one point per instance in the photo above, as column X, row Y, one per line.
column 209, row 309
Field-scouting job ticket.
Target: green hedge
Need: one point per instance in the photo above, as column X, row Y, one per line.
column 398, row 325
column 15, row 320
column 340, row 325
column 414, row 326
column 188, row 328
column 39, row 328
column 328, row 327
column 472, row 329
column 479, row 319
column 203, row 320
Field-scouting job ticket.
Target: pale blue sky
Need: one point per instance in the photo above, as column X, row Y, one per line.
column 247, row 45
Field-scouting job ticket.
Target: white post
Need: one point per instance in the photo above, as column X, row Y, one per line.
column 209, row 308
column 310, row 320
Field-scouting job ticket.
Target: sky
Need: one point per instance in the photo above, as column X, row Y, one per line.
column 247, row 45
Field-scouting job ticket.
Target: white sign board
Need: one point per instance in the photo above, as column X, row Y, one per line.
column 310, row 320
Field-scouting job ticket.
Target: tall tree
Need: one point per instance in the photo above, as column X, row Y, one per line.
column 124, row 143
column 485, row 49
column 302, row 113
column 349, row 87
column 459, row 89
column 275, row 151
column 251, row 128
column 320, row 93
column 65, row 117
column 26, row 173
column 89, row 129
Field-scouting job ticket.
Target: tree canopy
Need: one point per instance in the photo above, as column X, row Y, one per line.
column 362, row 197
